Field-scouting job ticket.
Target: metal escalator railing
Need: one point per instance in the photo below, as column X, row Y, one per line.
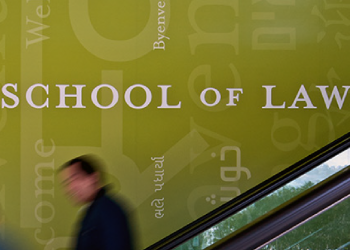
column 253, row 195
column 290, row 215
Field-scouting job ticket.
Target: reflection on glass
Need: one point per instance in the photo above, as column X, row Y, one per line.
column 329, row 230
column 268, row 203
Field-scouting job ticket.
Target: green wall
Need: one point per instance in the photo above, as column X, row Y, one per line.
column 189, row 103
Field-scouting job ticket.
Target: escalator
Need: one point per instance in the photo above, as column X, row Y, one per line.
column 307, row 206
column 283, row 206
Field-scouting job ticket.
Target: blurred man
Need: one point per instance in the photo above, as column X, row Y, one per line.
column 104, row 225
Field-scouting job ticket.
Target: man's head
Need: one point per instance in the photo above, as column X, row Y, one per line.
column 81, row 179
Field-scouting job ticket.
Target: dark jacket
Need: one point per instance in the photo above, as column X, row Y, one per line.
column 104, row 226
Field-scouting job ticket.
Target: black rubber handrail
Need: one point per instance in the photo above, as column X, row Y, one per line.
column 289, row 215
column 249, row 197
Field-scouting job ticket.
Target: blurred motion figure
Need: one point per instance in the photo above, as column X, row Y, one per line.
column 104, row 226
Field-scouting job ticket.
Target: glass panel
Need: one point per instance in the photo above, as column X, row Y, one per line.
column 268, row 203
column 329, row 230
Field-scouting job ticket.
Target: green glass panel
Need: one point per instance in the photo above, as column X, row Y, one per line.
column 329, row 230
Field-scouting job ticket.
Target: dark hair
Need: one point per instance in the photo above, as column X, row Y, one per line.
column 88, row 163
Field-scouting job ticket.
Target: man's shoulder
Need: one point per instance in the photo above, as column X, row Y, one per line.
column 109, row 221
column 108, row 202
column 108, row 206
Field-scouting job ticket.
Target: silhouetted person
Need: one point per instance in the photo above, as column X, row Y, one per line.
column 104, row 226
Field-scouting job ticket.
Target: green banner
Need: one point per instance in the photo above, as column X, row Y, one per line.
column 189, row 103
